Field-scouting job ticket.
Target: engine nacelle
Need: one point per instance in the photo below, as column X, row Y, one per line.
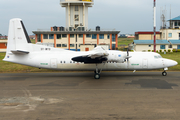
column 115, row 58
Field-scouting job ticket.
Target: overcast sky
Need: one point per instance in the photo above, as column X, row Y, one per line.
column 127, row 16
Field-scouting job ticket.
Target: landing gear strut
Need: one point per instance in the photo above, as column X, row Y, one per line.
column 164, row 73
column 97, row 73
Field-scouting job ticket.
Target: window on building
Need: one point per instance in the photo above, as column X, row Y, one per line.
column 149, row 45
column 176, row 23
column 94, row 36
column 162, row 47
column 113, row 46
column 71, row 35
column 80, row 35
column 51, row 36
column 170, row 35
column 64, row 35
column 71, row 45
column 58, row 45
column 113, row 38
column 58, row 36
column 38, row 38
column 76, row 17
column 45, row 36
column 64, row 45
column 101, row 36
column 88, row 35
column 178, row 46
column 163, row 35
column 108, row 36
column 170, row 46
column 76, row 8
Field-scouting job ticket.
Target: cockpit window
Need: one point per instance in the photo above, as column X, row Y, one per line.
column 157, row 56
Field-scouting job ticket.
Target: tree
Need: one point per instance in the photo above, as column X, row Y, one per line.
column 0, row 34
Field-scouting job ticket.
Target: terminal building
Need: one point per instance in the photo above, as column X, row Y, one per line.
column 76, row 35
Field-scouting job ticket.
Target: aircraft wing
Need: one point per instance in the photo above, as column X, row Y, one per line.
column 97, row 55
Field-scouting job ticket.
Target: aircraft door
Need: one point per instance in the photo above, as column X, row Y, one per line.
column 145, row 63
column 54, row 63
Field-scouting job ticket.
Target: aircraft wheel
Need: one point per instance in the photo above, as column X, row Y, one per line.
column 97, row 76
column 164, row 73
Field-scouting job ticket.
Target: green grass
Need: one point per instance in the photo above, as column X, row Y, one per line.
column 7, row 67
column 125, row 41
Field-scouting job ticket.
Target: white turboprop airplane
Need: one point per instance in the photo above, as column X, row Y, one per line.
column 20, row 50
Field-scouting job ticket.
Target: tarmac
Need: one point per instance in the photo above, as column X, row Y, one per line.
column 78, row 96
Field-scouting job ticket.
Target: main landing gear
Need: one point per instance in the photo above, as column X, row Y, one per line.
column 97, row 73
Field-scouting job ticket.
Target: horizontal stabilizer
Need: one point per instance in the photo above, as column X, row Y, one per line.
column 19, row 52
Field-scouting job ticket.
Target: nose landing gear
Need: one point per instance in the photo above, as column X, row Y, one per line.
column 164, row 73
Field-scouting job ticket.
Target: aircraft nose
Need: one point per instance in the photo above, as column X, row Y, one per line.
column 171, row 63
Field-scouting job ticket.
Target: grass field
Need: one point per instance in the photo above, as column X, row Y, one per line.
column 7, row 67
column 125, row 41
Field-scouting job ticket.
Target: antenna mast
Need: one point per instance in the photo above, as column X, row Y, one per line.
column 154, row 25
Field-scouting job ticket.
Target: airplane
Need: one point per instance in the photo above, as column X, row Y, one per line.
column 20, row 50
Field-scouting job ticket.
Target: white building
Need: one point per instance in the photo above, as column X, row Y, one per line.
column 77, row 13
column 173, row 32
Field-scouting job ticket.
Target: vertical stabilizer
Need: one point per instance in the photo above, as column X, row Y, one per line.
column 18, row 38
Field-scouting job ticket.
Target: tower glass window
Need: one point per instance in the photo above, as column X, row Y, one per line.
column 76, row 8
column 76, row 17
column 108, row 36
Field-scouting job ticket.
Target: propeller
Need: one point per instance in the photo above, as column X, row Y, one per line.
column 127, row 57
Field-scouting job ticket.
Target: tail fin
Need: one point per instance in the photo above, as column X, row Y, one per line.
column 18, row 38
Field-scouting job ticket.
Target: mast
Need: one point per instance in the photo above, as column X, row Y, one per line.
column 154, row 25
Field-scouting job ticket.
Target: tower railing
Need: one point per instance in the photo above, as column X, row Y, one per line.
column 76, row 0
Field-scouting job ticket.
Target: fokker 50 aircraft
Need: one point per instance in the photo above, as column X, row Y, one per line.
column 20, row 50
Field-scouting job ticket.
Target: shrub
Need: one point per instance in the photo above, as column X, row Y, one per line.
column 169, row 50
column 160, row 50
column 152, row 50
column 164, row 50
column 178, row 50
column 149, row 50
column 157, row 51
column 174, row 50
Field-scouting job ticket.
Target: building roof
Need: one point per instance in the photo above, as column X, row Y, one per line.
column 175, row 42
column 76, row 32
column 151, row 42
column 176, row 18
column 147, row 32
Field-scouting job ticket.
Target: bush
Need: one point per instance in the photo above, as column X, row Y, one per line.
column 169, row 50
column 160, row 50
column 178, row 50
column 164, row 50
column 174, row 50
column 149, row 50
column 157, row 51
column 152, row 50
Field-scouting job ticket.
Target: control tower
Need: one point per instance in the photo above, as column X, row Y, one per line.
column 76, row 14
